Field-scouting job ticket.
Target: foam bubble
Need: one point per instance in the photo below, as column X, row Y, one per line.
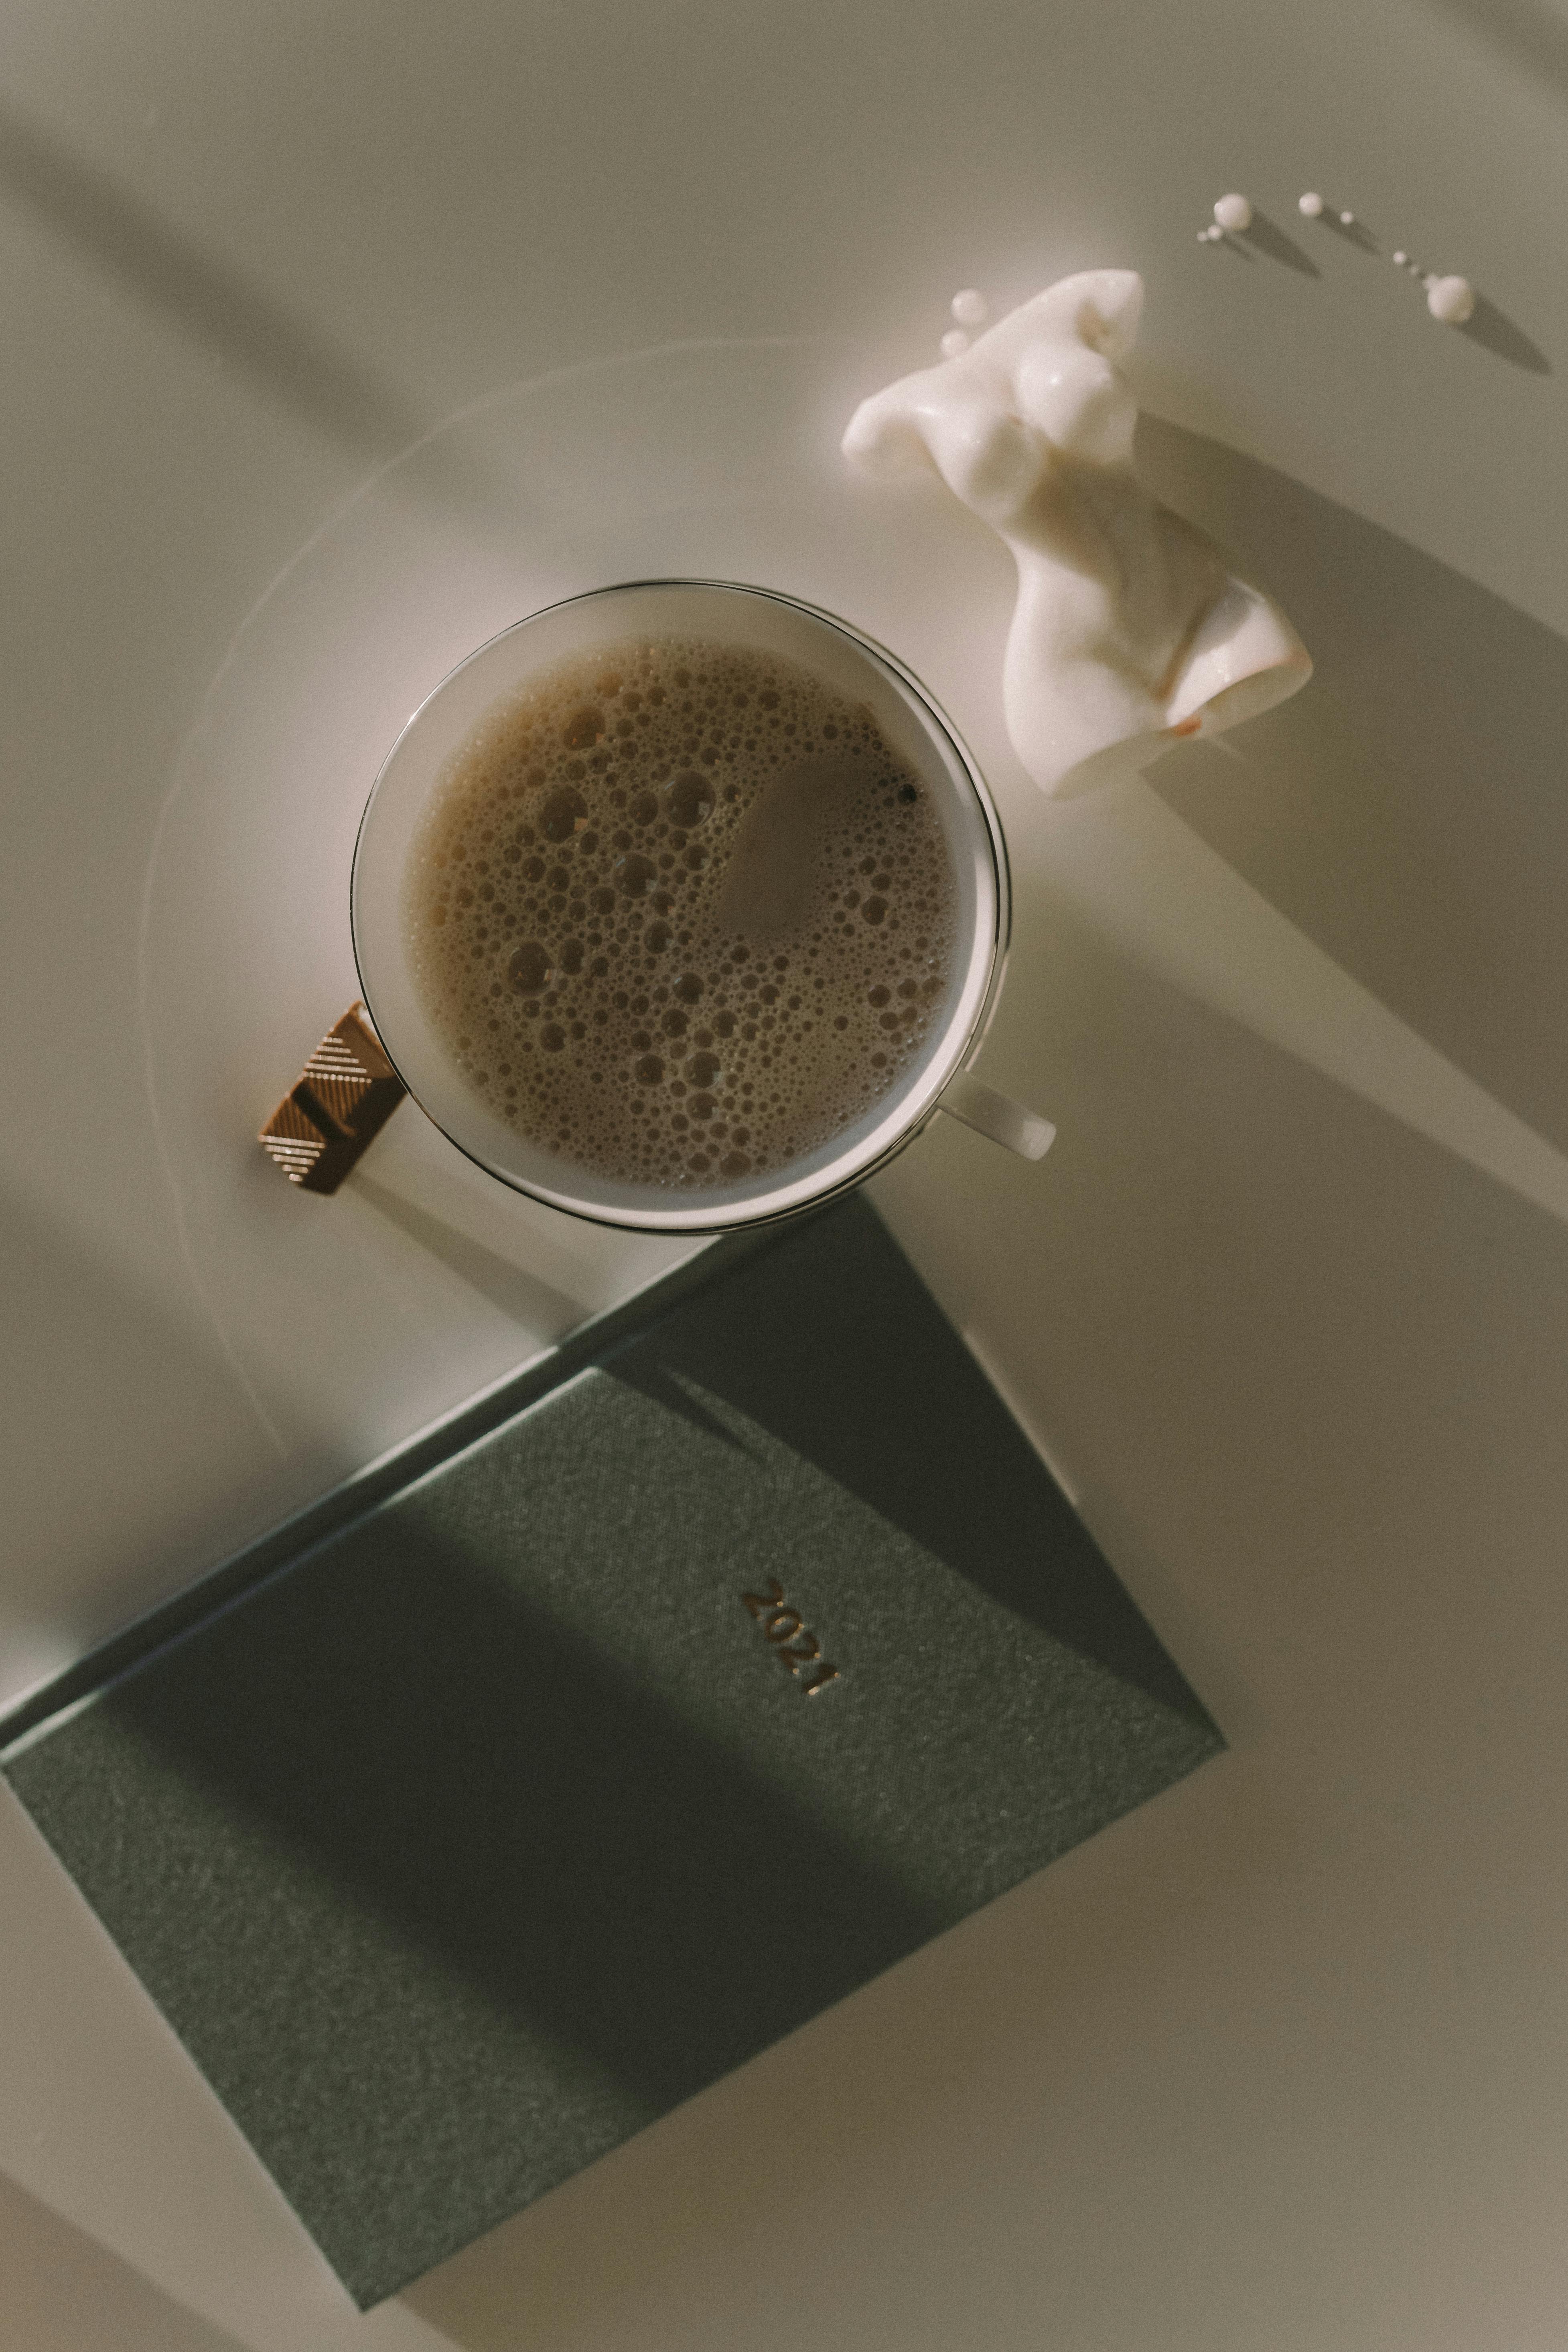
column 573, row 926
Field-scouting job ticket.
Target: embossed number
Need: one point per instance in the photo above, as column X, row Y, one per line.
column 792, row 1642
column 795, row 1655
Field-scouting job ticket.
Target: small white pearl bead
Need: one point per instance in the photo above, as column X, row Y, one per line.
column 954, row 344
column 971, row 309
column 1400, row 260
column 1310, row 203
column 1346, row 220
column 1452, row 299
column 1232, row 211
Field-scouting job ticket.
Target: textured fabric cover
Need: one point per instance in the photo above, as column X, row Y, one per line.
column 492, row 1827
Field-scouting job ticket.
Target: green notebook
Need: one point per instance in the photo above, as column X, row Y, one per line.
column 612, row 1743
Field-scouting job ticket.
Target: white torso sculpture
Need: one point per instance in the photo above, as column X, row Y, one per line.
column 1130, row 628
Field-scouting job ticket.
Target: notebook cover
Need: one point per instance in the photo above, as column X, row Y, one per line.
column 523, row 1806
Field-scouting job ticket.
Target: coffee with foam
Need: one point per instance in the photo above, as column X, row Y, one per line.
column 680, row 914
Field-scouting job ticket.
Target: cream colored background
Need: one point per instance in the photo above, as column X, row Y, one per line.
column 1279, row 2060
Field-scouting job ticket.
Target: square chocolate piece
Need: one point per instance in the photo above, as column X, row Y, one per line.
column 336, row 1108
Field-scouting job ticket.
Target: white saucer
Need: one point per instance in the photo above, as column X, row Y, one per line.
column 352, row 1321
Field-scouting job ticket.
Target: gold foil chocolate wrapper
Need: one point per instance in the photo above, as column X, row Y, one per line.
column 336, row 1108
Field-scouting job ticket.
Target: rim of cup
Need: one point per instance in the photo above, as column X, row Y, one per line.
column 447, row 720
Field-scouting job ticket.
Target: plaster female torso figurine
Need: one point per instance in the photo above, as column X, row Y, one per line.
column 1130, row 628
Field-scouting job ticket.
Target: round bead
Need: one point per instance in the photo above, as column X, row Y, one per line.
column 954, row 344
column 1452, row 299
column 1232, row 211
column 1346, row 219
column 1310, row 203
column 1400, row 260
column 971, row 309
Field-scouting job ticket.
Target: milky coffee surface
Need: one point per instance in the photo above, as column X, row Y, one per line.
column 680, row 913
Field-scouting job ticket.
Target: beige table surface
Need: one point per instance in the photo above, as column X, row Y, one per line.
column 1277, row 2064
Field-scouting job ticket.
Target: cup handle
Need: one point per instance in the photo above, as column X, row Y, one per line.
column 998, row 1115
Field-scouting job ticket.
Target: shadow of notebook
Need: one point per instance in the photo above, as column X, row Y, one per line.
column 747, row 1657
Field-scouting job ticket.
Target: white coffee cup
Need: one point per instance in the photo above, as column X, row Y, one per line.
column 723, row 612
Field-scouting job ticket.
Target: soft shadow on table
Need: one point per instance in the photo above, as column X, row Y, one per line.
column 1489, row 326
column 202, row 295
column 513, row 1289
column 1405, row 811
column 144, row 1380
column 1525, row 32
column 1271, row 239
column 65, row 2291
column 1351, row 231
column 228, row 312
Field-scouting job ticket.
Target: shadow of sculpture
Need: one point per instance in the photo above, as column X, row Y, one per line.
column 1350, row 232
column 1488, row 326
column 1406, row 813
column 1271, row 239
